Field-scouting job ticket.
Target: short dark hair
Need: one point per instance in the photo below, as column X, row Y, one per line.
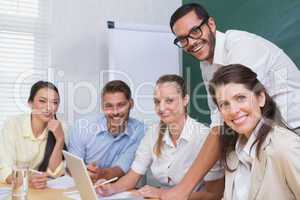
column 185, row 9
column 117, row 86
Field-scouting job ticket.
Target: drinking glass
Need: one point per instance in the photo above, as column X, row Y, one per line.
column 20, row 176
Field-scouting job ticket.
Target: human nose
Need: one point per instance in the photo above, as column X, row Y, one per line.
column 191, row 41
column 234, row 109
column 50, row 107
column 115, row 110
column 161, row 107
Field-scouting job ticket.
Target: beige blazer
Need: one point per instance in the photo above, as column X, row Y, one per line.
column 276, row 175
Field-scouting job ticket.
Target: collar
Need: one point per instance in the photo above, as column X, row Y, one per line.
column 27, row 130
column 246, row 148
column 185, row 135
column 219, row 49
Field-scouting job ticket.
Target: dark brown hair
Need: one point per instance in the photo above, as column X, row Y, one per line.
column 179, row 81
column 240, row 74
column 117, row 86
column 51, row 141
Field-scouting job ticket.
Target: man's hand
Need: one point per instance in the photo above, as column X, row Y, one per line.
column 94, row 172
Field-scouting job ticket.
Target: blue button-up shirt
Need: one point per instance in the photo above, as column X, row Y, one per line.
column 90, row 140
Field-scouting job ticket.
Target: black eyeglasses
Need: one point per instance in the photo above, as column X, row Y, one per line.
column 195, row 33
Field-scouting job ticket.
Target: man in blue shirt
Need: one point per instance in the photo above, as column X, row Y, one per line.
column 107, row 142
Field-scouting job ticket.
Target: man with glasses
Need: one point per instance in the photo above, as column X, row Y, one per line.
column 197, row 35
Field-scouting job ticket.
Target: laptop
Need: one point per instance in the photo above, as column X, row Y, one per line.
column 81, row 177
column 83, row 181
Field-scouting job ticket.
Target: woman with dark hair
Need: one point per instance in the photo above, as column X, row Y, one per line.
column 170, row 147
column 261, row 155
column 36, row 139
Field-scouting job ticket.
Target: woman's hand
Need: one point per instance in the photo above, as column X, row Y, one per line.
column 150, row 192
column 104, row 190
column 56, row 128
column 173, row 194
column 38, row 181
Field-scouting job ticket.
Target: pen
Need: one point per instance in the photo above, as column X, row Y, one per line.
column 35, row 171
column 105, row 182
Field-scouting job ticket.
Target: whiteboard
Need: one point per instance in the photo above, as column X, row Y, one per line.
column 139, row 55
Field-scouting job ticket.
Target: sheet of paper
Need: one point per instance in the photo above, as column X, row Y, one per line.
column 4, row 192
column 63, row 182
column 122, row 195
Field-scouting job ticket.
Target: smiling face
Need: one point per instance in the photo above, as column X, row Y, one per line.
column 240, row 107
column 44, row 104
column 170, row 106
column 116, row 108
column 202, row 48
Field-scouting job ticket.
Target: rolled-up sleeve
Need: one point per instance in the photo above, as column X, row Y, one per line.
column 143, row 156
column 7, row 150
column 59, row 171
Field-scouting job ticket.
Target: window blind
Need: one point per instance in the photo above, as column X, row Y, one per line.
column 24, row 52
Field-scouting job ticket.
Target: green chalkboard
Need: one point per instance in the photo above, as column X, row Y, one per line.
column 275, row 20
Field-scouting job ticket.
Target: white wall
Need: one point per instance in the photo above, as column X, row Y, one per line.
column 79, row 44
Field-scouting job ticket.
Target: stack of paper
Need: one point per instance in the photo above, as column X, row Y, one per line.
column 122, row 195
column 4, row 192
column 63, row 182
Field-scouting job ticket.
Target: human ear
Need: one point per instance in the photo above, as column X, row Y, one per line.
column 30, row 104
column 212, row 24
column 262, row 99
column 186, row 100
column 131, row 102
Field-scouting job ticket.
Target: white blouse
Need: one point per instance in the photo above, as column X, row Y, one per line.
column 170, row 167
column 246, row 155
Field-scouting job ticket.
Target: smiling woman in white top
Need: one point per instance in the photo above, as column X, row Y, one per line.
column 170, row 147
column 36, row 139
column 260, row 154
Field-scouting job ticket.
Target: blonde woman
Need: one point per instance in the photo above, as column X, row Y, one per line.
column 170, row 147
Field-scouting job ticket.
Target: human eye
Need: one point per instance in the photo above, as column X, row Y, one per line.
column 181, row 41
column 196, row 30
column 241, row 98
column 42, row 100
column 122, row 104
column 223, row 105
column 156, row 101
column 169, row 100
column 107, row 106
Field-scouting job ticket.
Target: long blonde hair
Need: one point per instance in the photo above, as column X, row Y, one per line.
column 179, row 81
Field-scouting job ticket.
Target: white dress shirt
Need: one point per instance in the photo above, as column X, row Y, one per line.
column 274, row 68
column 170, row 167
